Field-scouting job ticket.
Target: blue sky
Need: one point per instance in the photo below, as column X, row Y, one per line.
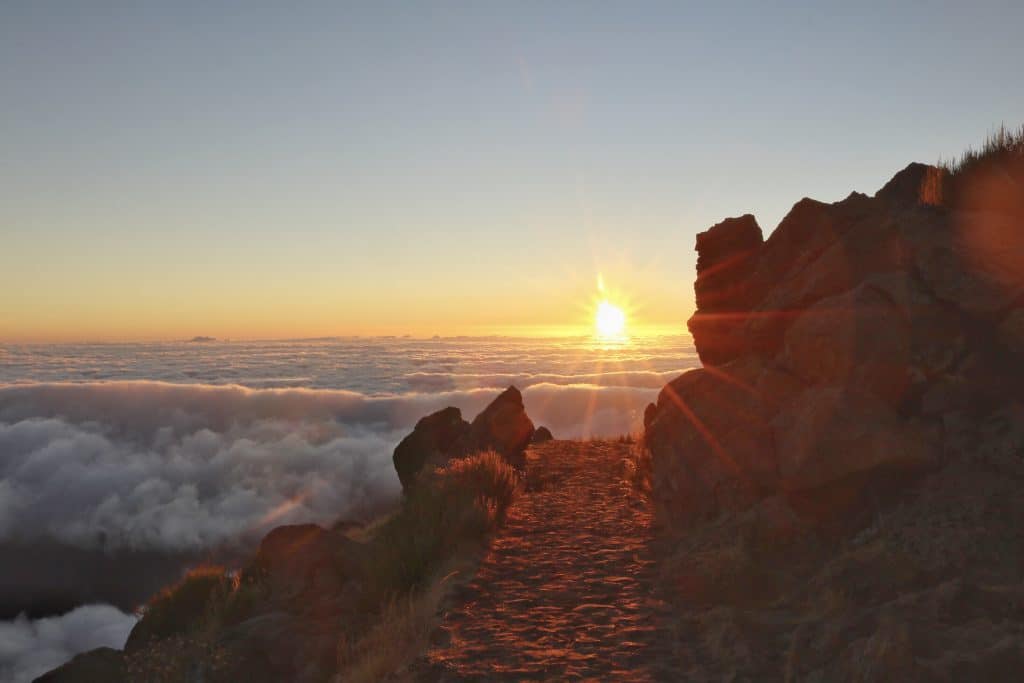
column 248, row 169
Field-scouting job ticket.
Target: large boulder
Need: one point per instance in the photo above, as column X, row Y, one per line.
column 711, row 442
column 431, row 442
column 502, row 426
column 542, row 435
column 299, row 559
column 831, row 434
column 857, row 339
column 281, row 646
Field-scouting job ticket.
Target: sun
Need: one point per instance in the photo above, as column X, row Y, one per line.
column 610, row 320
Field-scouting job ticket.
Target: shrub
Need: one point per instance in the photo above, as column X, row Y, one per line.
column 182, row 607
column 400, row 633
column 460, row 502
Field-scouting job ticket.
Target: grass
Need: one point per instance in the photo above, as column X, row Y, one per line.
column 400, row 633
column 414, row 554
column 460, row 503
column 180, row 608
column 1003, row 146
column 405, row 565
column 177, row 638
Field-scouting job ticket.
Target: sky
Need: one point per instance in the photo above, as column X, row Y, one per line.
column 252, row 170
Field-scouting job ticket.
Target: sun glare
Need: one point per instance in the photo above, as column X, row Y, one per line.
column 610, row 320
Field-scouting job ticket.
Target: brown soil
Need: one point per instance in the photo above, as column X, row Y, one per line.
column 566, row 591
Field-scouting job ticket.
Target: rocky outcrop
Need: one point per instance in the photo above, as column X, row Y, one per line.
column 541, row 435
column 851, row 345
column 503, row 426
column 726, row 254
column 431, row 441
column 303, row 557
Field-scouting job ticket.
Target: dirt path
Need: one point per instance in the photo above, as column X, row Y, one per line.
column 566, row 590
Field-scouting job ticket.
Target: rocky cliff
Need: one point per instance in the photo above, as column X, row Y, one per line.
column 867, row 337
column 842, row 477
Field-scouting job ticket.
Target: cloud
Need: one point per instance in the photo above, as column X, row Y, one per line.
column 441, row 381
column 128, row 482
column 29, row 648
column 156, row 457
column 153, row 465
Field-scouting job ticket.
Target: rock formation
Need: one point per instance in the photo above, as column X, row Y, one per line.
column 502, row 426
column 543, row 434
column 840, row 483
column 431, row 441
column 859, row 340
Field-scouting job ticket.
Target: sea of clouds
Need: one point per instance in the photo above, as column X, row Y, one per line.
column 115, row 459
column 30, row 648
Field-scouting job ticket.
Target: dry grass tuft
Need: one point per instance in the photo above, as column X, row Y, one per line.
column 1004, row 146
column 460, row 503
column 410, row 558
column 176, row 638
column 399, row 635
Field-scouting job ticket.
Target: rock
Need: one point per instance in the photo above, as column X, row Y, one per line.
column 268, row 647
column 541, row 435
column 818, row 250
column 178, row 609
column 1011, row 331
column 301, row 558
column 917, row 184
column 978, row 266
column 803, row 235
column 650, row 412
column 102, row 665
column 431, row 442
column 831, row 433
column 777, row 386
column 502, row 426
column 937, row 335
column 856, row 441
column 858, row 339
column 711, row 443
column 727, row 253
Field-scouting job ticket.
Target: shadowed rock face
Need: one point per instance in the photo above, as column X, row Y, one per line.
column 432, row 441
column 502, row 426
column 853, row 343
column 726, row 255
column 541, row 435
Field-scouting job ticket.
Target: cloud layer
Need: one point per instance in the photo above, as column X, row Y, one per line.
column 158, row 466
column 160, row 455
column 29, row 648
